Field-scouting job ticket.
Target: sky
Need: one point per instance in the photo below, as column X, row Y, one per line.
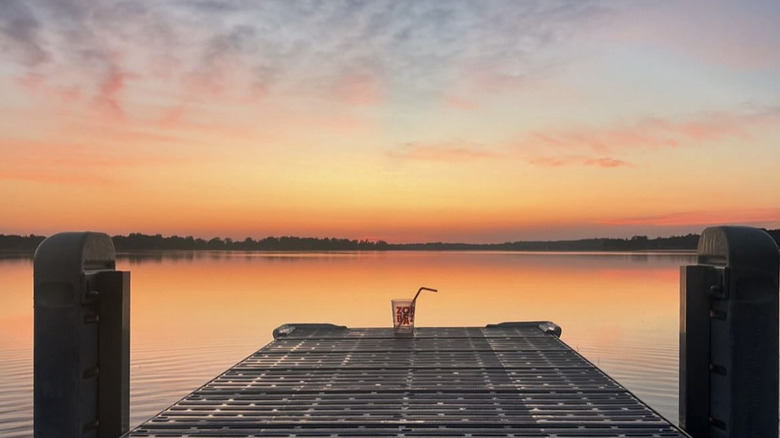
column 405, row 121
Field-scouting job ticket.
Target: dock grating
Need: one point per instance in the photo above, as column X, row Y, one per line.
column 507, row 380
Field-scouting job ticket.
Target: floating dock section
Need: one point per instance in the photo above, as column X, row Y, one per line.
column 321, row 380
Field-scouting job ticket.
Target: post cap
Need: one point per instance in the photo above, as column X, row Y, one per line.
column 62, row 260
column 738, row 247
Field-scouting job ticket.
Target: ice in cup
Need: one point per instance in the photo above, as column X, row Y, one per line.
column 403, row 317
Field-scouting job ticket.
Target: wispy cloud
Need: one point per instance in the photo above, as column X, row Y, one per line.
column 366, row 49
column 457, row 151
column 68, row 45
column 111, row 88
column 741, row 216
column 560, row 161
column 646, row 133
column 360, row 89
column 603, row 146
column 460, row 103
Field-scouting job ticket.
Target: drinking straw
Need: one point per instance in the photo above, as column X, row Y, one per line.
column 414, row 300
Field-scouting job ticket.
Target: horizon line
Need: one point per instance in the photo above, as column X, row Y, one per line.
column 225, row 239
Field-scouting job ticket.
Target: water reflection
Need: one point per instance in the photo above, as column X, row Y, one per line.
column 196, row 313
column 10, row 257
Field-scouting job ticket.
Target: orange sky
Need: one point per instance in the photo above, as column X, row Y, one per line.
column 402, row 121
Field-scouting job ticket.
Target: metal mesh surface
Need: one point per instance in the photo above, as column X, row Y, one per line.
column 499, row 381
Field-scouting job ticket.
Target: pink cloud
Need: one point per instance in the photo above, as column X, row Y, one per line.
column 111, row 88
column 69, row 94
column 652, row 133
column 442, row 152
column 603, row 140
column 36, row 83
column 605, row 162
column 460, row 103
column 574, row 146
column 703, row 218
column 30, row 81
column 603, row 146
column 711, row 127
column 106, row 97
column 172, row 118
column 360, row 89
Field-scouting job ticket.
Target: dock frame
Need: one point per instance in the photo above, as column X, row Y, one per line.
column 322, row 380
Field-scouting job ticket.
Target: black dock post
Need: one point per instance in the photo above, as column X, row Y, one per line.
column 82, row 338
column 729, row 336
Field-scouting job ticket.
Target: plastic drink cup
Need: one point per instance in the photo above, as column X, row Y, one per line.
column 403, row 316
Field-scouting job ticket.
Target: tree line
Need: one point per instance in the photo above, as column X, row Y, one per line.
column 636, row 243
column 145, row 242
column 138, row 241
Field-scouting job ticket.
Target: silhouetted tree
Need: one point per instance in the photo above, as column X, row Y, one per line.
column 144, row 242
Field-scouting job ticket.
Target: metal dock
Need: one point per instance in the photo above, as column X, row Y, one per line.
column 505, row 380
column 320, row 380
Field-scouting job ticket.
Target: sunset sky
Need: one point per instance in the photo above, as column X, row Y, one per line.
column 475, row 121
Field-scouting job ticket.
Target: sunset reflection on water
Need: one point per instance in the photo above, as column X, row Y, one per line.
column 195, row 314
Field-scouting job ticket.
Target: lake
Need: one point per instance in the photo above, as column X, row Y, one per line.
column 194, row 314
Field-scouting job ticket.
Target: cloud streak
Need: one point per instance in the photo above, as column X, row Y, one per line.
column 702, row 218
column 604, row 162
column 603, row 146
column 444, row 152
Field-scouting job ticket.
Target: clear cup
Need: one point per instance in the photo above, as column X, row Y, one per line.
column 403, row 316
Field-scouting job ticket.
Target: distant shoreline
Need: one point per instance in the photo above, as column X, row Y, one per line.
column 25, row 253
column 136, row 242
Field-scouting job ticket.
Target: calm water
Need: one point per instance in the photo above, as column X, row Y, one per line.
column 195, row 314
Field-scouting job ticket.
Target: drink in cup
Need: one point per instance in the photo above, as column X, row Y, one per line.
column 403, row 313
column 403, row 317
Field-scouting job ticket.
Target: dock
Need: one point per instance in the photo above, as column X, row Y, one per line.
column 320, row 380
column 514, row 379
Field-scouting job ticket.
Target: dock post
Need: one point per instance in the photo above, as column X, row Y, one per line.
column 729, row 336
column 82, row 338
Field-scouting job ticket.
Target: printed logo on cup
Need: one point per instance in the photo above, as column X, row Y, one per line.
column 404, row 315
